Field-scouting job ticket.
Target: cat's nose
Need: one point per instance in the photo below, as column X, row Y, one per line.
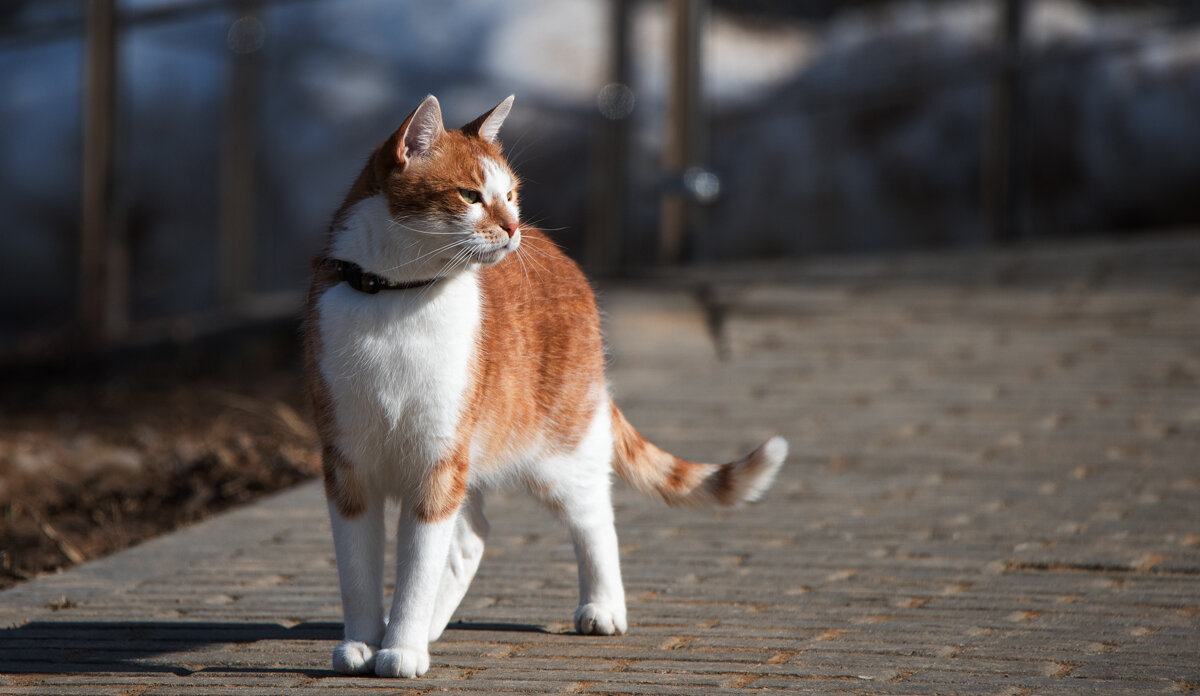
column 510, row 228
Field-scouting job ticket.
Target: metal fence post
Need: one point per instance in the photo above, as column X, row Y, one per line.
column 102, row 307
column 236, row 257
column 684, row 121
column 1004, row 176
column 606, row 234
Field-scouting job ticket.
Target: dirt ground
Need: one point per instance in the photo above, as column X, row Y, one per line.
column 96, row 458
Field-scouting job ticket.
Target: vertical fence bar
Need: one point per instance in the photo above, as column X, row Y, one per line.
column 99, row 314
column 684, row 117
column 236, row 257
column 604, row 244
column 1004, row 178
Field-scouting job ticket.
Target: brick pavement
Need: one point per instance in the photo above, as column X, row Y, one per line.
column 994, row 489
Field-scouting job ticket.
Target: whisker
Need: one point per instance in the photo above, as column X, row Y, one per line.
column 534, row 248
column 429, row 233
column 536, row 223
column 517, row 149
column 530, row 249
column 524, row 268
column 448, row 269
column 451, row 245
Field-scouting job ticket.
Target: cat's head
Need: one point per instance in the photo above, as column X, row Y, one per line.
column 450, row 195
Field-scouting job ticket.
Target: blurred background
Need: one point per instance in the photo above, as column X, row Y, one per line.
column 168, row 167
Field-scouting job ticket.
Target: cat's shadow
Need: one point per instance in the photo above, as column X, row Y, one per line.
column 161, row 647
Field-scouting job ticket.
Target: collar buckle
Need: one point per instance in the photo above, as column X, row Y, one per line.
column 354, row 276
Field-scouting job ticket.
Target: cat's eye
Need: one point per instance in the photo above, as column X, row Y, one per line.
column 509, row 196
column 469, row 196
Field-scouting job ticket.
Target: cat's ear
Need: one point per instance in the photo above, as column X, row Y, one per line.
column 487, row 126
column 419, row 131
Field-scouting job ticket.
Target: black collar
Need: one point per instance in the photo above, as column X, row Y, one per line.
column 353, row 275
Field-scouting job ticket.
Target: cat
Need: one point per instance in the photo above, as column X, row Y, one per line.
column 439, row 368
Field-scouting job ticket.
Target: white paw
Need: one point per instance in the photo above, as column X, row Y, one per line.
column 600, row 620
column 353, row 657
column 401, row 662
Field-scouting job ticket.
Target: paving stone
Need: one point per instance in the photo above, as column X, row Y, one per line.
column 992, row 490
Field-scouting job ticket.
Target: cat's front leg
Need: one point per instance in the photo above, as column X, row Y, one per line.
column 422, row 547
column 358, row 544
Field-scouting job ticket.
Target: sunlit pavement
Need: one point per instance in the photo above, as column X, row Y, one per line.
column 994, row 488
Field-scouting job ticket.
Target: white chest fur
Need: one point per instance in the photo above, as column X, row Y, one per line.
column 397, row 365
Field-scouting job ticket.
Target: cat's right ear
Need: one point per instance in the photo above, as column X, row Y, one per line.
column 419, row 131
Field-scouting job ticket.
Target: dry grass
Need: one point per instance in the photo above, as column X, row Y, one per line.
column 94, row 460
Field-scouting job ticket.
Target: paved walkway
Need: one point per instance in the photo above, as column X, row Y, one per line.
column 995, row 489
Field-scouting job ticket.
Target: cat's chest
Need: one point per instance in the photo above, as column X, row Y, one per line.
column 397, row 365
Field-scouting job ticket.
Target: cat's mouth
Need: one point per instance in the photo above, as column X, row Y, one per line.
column 488, row 258
column 494, row 255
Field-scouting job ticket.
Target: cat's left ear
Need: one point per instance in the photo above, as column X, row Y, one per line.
column 487, row 126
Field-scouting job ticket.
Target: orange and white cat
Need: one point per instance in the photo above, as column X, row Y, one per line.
column 438, row 368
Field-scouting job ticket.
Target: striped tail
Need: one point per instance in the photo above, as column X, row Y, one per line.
column 680, row 482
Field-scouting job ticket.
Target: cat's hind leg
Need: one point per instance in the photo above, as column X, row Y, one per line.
column 578, row 488
column 358, row 544
column 466, row 550
column 601, row 608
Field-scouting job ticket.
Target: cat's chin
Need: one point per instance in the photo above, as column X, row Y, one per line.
column 491, row 258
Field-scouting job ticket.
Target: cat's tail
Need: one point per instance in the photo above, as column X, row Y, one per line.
column 680, row 482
